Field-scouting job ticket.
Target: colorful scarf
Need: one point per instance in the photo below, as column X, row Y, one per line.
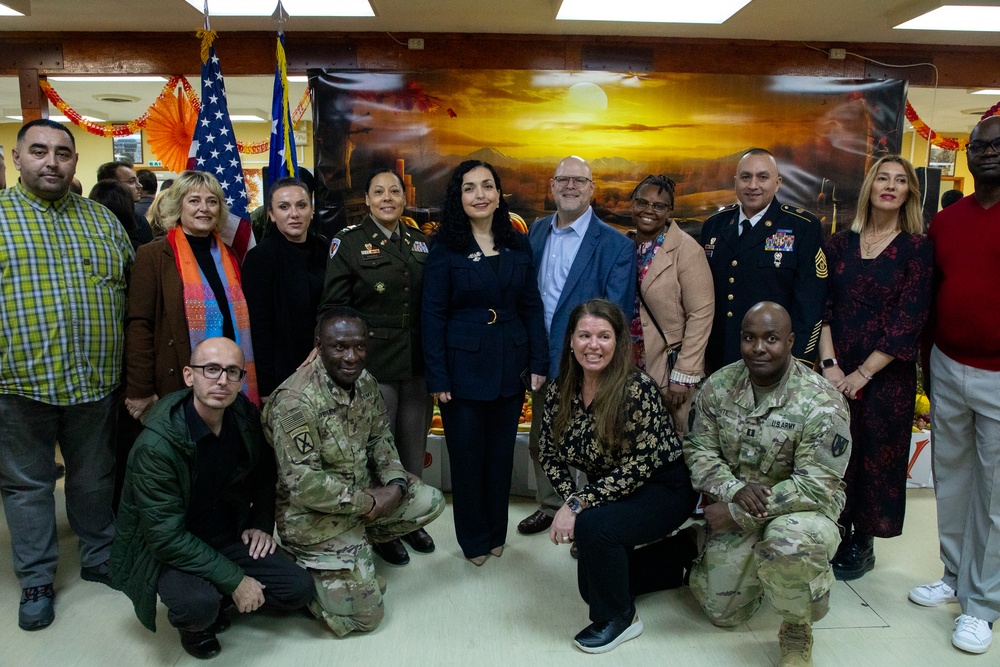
column 201, row 308
column 644, row 256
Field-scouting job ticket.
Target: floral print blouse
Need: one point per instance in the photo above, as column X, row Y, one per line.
column 652, row 442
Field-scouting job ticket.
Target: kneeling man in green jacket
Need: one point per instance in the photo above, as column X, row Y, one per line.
column 196, row 518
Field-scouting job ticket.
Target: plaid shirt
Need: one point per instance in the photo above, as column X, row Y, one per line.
column 63, row 271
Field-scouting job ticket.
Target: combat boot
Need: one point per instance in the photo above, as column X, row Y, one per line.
column 795, row 641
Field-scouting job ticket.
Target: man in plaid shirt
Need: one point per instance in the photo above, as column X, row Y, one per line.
column 64, row 261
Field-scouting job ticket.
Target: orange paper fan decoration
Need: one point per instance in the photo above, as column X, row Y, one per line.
column 170, row 129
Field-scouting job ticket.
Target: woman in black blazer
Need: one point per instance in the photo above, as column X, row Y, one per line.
column 484, row 341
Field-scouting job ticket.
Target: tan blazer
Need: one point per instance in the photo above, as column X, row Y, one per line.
column 678, row 290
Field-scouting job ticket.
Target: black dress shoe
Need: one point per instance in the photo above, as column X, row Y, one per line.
column 420, row 541
column 858, row 559
column 202, row 644
column 96, row 573
column 393, row 552
column 603, row 637
column 536, row 523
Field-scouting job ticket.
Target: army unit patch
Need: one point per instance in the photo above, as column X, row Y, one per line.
column 295, row 425
column 334, row 244
column 840, row 444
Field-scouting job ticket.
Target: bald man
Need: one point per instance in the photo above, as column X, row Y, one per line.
column 577, row 257
column 770, row 444
column 763, row 250
column 197, row 511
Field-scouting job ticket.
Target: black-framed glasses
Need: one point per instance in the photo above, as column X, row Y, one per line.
column 659, row 207
column 981, row 146
column 214, row 372
column 563, row 181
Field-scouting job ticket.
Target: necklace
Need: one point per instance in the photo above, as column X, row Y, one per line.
column 870, row 245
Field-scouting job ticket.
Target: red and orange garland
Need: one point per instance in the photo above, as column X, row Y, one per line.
column 169, row 90
column 947, row 143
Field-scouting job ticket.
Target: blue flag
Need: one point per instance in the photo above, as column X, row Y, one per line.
column 281, row 162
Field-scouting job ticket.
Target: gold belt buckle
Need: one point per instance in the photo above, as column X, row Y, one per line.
column 494, row 320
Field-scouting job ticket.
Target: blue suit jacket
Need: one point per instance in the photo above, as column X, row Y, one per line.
column 463, row 352
column 604, row 267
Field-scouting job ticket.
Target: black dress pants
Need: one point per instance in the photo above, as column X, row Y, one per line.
column 193, row 603
column 606, row 536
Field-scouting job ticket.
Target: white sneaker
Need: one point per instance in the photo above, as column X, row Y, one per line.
column 933, row 595
column 972, row 634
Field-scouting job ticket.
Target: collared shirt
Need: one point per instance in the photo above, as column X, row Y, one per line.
column 754, row 219
column 560, row 250
column 385, row 230
column 209, row 516
column 63, row 271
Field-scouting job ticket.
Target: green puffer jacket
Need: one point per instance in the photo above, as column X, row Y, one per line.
column 152, row 528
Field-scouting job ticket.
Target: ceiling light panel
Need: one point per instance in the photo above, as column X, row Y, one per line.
column 968, row 18
column 643, row 11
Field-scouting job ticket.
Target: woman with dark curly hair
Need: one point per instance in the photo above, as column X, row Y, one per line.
column 484, row 341
column 607, row 418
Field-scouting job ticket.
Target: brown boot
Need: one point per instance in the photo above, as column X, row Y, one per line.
column 795, row 640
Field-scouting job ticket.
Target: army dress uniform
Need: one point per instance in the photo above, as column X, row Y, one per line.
column 779, row 259
column 797, row 442
column 331, row 445
column 385, row 282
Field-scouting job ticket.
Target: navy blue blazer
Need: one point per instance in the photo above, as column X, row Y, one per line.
column 481, row 328
column 604, row 267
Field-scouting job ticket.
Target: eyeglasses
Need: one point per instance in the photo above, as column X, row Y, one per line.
column 981, row 146
column 563, row 181
column 214, row 372
column 659, row 207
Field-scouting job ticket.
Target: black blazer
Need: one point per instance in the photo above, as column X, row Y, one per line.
column 482, row 328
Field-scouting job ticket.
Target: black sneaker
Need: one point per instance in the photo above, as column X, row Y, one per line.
column 37, row 609
column 202, row 644
column 603, row 637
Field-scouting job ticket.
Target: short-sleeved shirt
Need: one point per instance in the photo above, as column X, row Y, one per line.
column 63, row 271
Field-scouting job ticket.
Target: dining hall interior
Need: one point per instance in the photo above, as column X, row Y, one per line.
column 108, row 61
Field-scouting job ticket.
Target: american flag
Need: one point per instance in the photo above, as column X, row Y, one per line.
column 281, row 162
column 213, row 150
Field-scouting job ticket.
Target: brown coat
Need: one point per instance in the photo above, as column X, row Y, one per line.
column 678, row 290
column 157, row 346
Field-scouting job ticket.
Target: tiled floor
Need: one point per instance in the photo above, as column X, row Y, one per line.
column 521, row 609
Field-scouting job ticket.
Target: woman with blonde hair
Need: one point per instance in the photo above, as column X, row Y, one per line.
column 185, row 288
column 877, row 304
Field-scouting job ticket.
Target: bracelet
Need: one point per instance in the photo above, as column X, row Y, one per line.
column 864, row 375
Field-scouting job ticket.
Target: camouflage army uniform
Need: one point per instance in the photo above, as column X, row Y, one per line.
column 797, row 441
column 330, row 447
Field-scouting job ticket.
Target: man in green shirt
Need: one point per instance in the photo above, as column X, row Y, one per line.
column 65, row 262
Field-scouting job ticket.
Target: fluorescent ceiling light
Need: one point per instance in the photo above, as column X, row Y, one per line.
column 246, row 118
column 61, row 119
column 643, row 11
column 986, row 91
column 298, row 78
column 110, row 79
column 15, row 8
column 292, row 7
column 956, row 17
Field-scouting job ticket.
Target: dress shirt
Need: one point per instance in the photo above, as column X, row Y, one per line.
column 560, row 251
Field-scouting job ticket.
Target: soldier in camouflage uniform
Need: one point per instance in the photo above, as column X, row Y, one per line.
column 340, row 483
column 770, row 444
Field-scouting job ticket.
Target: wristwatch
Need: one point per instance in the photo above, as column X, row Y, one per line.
column 828, row 363
column 574, row 504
